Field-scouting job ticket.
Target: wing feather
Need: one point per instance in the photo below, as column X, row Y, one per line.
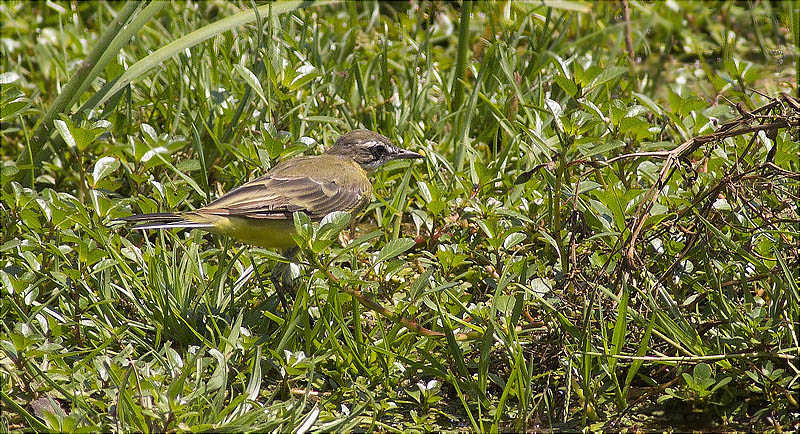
column 320, row 190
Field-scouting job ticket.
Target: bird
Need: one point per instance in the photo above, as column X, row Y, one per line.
column 260, row 212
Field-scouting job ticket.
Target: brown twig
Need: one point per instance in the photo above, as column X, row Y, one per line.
column 733, row 128
column 626, row 10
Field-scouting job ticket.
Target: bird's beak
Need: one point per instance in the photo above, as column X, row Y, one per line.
column 407, row 155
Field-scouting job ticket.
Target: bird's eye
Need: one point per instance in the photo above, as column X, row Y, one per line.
column 379, row 150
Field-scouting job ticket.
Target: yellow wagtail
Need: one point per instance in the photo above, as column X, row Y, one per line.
column 259, row 212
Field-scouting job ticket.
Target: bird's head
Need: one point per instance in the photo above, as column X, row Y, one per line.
column 369, row 149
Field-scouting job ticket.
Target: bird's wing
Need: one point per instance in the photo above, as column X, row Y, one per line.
column 276, row 195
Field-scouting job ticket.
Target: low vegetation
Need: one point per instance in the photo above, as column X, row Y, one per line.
column 604, row 233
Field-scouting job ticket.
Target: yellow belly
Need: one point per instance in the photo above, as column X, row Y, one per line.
column 270, row 234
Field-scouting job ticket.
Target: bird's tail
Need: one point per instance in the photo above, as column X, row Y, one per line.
column 164, row 220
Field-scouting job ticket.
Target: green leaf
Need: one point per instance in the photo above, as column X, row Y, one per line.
column 64, row 132
column 636, row 127
column 733, row 246
column 649, row 103
column 568, row 85
column 556, row 110
column 394, row 248
column 609, row 74
column 620, row 327
column 75, row 136
column 421, row 283
column 563, row 68
column 8, row 77
column 644, row 345
column 701, row 371
column 103, row 167
column 593, row 148
column 7, row 172
column 303, row 228
column 332, row 224
column 251, row 80
column 12, row 109
column 514, row 239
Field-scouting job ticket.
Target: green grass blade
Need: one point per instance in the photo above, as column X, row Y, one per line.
column 140, row 68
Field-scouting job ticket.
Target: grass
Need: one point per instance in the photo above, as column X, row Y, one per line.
column 514, row 239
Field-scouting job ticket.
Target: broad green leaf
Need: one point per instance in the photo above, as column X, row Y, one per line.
column 63, row 131
column 568, row 85
column 649, row 103
column 332, row 224
column 394, row 248
column 421, row 283
column 303, row 228
column 12, row 109
column 251, row 80
column 609, row 74
column 513, row 239
column 591, row 149
column 556, row 110
column 103, row 167
column 75, row 136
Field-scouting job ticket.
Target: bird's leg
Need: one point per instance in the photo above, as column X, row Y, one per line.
column 353, row 223
column 352, row 228
column 282, row 278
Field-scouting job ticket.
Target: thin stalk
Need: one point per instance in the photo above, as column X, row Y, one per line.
column 795, row 18
column 457, row 88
